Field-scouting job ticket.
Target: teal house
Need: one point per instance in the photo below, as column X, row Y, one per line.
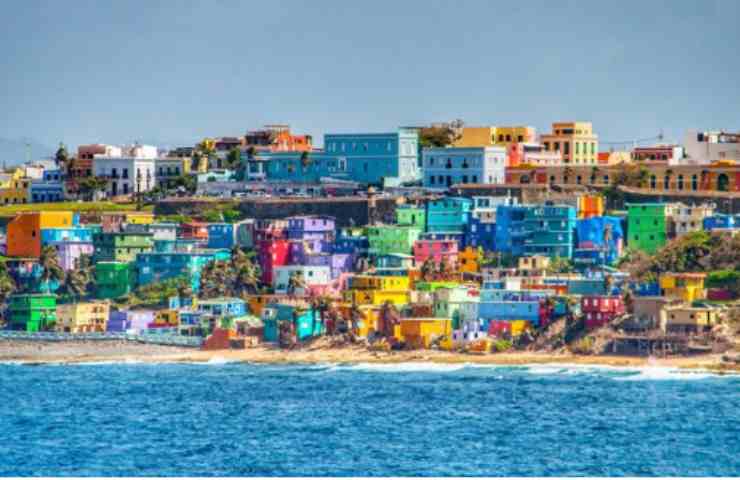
column 307, row 321
column 550, row 230
column 448, row 215
column 155, row 266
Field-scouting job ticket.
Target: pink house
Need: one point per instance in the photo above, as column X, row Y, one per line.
column 436, row 250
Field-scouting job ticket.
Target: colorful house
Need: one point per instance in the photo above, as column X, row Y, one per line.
column 480, row 234
column 121, row 246
column 685, row 319
column 311, row 227
column 685, row 286
column 315, row 278
column 385, row 239
column 451, row 302
column 307, row 322
column 468, row 260
column 71, row 234
column 221, row 235
column 444, row 167
column 600, row 241
column 24, row 231
column 114, row 279
column 272, row 254
column 647, row 225
column 155, row 267
column 411, row 215
column 510, row 229
column 129, row 321
column 32, row 312
column 82, row 317
column 423, row 332
column 590, row 206
column 436, row 250
column 449, row 214
column 69, row 253
column 550, row 230
column 194, row 231
column 223, row 307
column 600, row 310
column 690, row 219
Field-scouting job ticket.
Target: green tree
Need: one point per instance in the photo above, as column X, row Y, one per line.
column 79, row 282
column 90, row 186
column 51, row 271
column 559, row 265
column 440, row 135
column 61, row 157
column 234, row 158
column 7, row 287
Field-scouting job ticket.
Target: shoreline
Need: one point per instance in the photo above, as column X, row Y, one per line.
column 76, row 353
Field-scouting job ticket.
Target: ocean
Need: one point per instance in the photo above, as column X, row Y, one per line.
column 231, row 419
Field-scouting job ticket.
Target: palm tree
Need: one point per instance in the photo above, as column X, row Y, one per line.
column 389, row 318
column 306, row 159
column 7, row 288
column 50, row 268
column 245, row 273
column 61, row 157
column 214, row 280
column 427, row 270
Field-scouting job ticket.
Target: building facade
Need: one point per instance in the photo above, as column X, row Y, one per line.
column 575, row 141
column 444, row 167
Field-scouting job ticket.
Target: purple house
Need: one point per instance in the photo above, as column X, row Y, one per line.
column 129, row 320
column 300, row 250
column 311, row 227
column 69, row 253
column 341, row 263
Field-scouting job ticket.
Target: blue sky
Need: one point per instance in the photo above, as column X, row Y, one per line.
column 176, row 71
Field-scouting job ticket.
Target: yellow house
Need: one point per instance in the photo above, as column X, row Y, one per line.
column 139, row 218
column 685, row 319
column 14, row 190
column 379, row 282
column 421, row 332
column 167, row 318
column 82, row 317
column 376, row 297
column 495, row 136
column 575, row 141
column 685, row 286
column 468, row 260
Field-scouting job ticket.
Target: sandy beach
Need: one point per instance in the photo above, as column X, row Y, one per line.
column 90, row 352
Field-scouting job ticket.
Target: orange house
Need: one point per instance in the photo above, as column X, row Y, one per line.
column 24, row 231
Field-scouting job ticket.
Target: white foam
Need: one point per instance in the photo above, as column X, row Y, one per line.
column 402, row 367
column 667, row 373
column 218, row 360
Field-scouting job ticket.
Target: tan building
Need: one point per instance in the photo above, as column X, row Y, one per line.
column 685, row 319
column 536, row 262
column 82, row 317
column 575, row 141
column 495, row 136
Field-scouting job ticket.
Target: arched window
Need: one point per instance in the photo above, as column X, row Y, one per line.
column 653, row 182
column 680, row 182
column 694, row 182
column 666, row 182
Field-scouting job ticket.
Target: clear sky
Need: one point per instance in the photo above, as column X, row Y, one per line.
column 176, row 71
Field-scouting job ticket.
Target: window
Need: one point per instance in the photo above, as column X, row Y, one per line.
column 680, row 182
column 556, row 146
column 578, row 150
column 475, row 178
column 653, row 181
column 125, row 173
column 566, row 148
column 666, row 182
column 547, row 145
column 593, row 149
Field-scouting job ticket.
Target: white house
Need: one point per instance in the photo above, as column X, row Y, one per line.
column 312, row 276
column 444, row 167
column 131, row 172
column 707, row 147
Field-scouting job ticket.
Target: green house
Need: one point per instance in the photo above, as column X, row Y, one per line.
column 114, row 279
column 647, row 225
column 121, row 246
column 387, row 239
column 32, row 312
column 411, row 215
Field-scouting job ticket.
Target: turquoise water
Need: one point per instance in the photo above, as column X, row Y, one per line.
column 240, row 419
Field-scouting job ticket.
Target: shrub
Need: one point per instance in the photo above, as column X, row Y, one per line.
column 584, row 346
column 502, row 345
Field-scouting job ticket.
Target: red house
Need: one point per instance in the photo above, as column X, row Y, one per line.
column 271, row 254
column 601, row 309
column 194, row 231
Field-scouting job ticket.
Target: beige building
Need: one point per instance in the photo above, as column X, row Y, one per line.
column 495, row 136
column 575, row 141
column 82, row 317
column 686, row 319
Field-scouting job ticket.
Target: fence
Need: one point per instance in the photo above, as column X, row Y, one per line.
column 155, row 339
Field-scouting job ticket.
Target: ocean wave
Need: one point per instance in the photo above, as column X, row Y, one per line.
column 645, row 374
column 401, row 367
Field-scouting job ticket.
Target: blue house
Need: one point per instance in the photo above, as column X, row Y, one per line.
column 716, row 222
column 303, row 167
column 510, row 229
column 378, row 157
column 49, row 189
column 480, row 235
column 223, row 307
column 550, row 230
column 448, row 215
column 73, row 234
column 599, row 240
column 221, row 235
